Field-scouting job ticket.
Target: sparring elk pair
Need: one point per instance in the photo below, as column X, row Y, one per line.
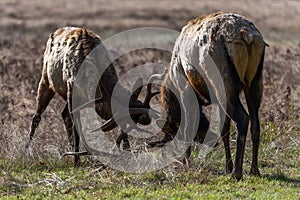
column 232, row 42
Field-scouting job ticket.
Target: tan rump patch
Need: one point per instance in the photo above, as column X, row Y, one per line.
column 238, row 53
column 256, row 50
column 246, row 55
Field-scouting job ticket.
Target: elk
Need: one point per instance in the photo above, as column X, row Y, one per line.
column 66, row 50
column 236, row 48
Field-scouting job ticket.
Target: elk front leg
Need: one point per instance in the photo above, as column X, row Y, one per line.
column 123, row 137
column 225, row 137
column 44, row 96
column 201, row 133
column 76, row 114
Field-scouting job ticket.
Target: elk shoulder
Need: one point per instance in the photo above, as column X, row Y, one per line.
column 65, row 51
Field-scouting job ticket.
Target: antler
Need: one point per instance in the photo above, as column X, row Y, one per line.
column 136, row 89
column 150, row 94
column 119, row 117
column 85, row 105
column 121, row 113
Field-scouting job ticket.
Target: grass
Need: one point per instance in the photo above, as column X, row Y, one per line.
column 45, row 176
column 69, row 183
column 51, row 178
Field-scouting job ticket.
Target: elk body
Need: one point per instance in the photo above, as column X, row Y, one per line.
column 66, row 50
column 237, row 50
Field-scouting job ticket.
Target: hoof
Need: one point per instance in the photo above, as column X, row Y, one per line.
column 76, row 162
column 126, row 145
column 237, row 175
column 229, row 167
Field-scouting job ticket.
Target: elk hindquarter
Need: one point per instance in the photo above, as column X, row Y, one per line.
column 233, row 46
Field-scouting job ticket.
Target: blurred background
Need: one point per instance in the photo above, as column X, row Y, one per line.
column 26, row 25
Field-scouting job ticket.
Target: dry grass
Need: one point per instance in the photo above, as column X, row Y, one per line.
column 24, row 30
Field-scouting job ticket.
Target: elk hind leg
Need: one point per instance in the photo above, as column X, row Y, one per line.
column 253, row 99
column 69, row 126
column 237, row 113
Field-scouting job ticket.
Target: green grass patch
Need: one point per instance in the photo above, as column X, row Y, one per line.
column 47, row 177
column 86, row 183
column 203, row 180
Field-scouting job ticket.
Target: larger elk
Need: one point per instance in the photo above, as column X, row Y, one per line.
column 237, row 49
column 66, row 52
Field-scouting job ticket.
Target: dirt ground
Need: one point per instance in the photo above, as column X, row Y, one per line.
column 25, row 26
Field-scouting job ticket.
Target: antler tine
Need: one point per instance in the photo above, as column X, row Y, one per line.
column 137, row 88
column 158, row 76
column 150, row 94
column 85, row 105
column 107, row 126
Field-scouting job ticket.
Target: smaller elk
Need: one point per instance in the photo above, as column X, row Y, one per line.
column 66, row 52
column 237, row 49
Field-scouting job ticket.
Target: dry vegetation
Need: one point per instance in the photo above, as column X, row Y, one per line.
column 25, row 26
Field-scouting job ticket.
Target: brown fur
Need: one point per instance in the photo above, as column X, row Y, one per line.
column 237, row 49
column 199, row 19
column 66, row 50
